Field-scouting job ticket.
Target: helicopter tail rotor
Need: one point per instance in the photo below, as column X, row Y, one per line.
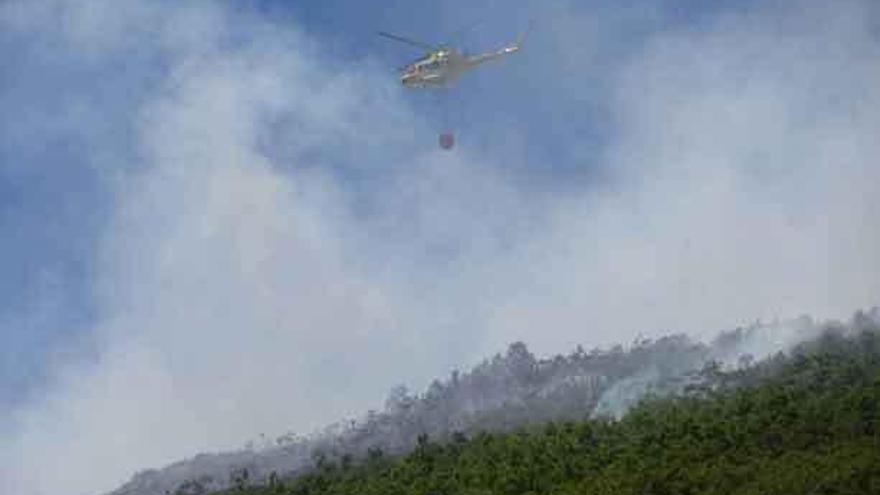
column 522, row 38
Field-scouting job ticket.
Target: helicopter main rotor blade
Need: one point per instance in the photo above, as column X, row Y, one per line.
column 407, row 41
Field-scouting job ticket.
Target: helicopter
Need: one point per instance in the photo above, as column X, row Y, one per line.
column 443, row 65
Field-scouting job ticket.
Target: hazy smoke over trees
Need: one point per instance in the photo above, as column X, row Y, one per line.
column 502, row 393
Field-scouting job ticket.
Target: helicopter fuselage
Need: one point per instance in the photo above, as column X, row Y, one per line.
column 442, row 67
column 439, row 69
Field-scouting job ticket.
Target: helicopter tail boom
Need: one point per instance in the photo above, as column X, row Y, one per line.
column 507, row 50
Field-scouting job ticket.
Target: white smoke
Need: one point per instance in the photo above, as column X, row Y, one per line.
column 243, row 290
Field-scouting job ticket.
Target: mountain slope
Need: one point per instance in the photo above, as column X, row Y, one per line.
column 808, row 423
column 500, row 394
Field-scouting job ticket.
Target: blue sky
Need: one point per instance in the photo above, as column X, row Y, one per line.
column 187, row 190
column 54, row 197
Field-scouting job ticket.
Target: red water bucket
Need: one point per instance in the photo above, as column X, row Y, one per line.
column 447, row 141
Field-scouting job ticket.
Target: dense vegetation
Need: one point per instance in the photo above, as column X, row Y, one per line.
column 502, row 393
column 803, row 423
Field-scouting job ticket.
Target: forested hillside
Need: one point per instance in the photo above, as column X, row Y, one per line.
column 505, row 392
column 805, row 422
